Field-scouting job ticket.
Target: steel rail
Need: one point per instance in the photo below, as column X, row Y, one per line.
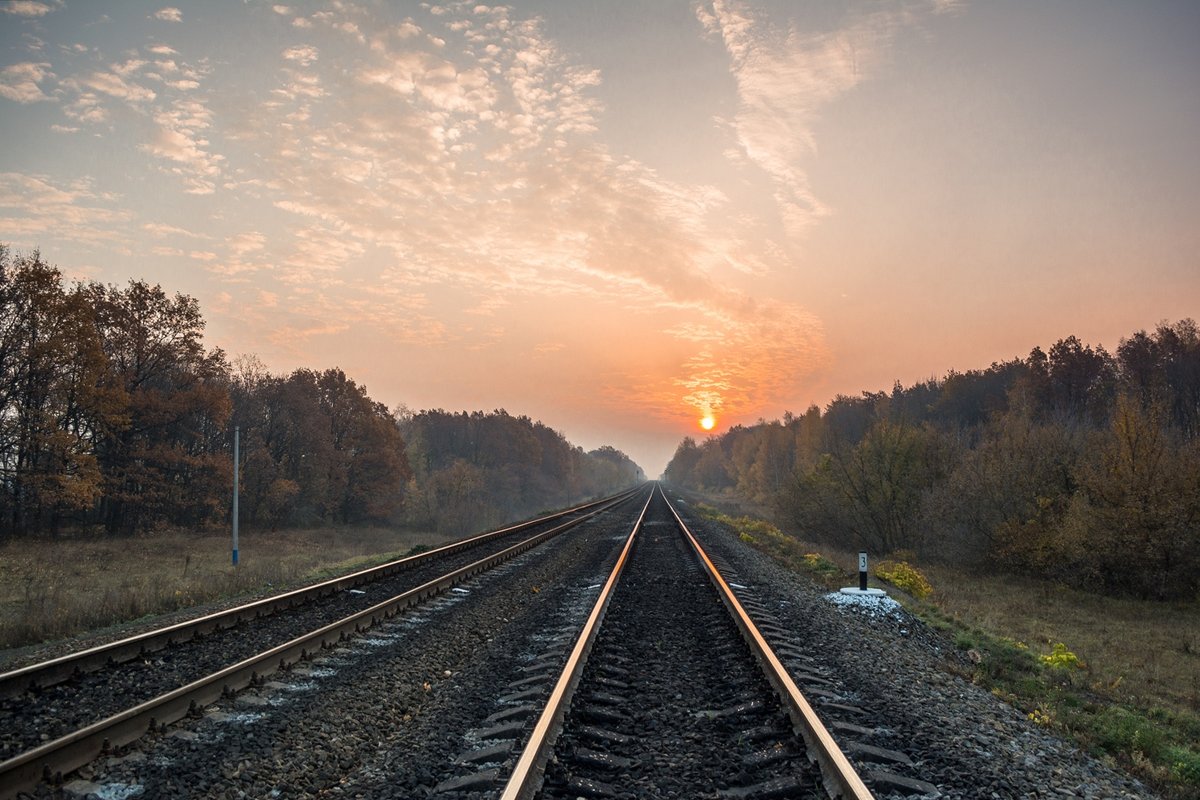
column 839, row 776
column 72, row 751
column 527, row 775
column 57, row 670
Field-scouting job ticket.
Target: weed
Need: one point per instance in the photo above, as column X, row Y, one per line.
column 1041, row 716
column 1062, row 658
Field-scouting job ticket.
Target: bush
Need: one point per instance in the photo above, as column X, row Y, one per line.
column 821, row 565
column 1062, row 658
column 1185, row 765
column 904, row 576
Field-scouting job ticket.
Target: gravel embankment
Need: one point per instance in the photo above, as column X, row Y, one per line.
column 889, row 665
column 438, row 702
column 390, row 714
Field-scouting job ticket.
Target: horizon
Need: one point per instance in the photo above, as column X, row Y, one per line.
column 620, row 220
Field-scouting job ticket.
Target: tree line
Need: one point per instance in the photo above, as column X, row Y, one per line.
column 115, row 416
column 1071, row 464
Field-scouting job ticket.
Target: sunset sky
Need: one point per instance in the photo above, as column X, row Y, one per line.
column 617, row 217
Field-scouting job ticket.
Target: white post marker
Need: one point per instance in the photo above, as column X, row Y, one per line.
column 862, row 590
column 236, row 436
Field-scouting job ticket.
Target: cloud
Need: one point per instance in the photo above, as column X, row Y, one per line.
column 469, row 159
column 755, row 364
column 128, row 67
column 455, row 154
column 173, row 124
column 160, row 230
column 243, row 255
column 305, row 55
column 19, row 82
column 112, row 84
column 86, row 108
column 179, row 138
column 36, row 209
column 25, row 8
column 246, row 243
column 785, row 77
column 169, row 14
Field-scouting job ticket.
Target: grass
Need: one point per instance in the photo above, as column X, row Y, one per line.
column 1119, row 676
column 53, row 588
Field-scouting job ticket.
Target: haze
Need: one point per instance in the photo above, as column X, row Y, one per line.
column 619, row 218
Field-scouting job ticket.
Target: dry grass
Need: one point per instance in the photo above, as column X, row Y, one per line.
column 1138, row 652
column 52, row 588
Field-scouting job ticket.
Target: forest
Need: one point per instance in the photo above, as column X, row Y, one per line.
column 115, row 417
column 1071, row 464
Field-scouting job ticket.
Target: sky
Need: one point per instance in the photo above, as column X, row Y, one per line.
column 617, row 217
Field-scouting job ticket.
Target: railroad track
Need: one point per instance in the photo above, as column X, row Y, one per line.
column 606, row 664
column 61, row 714
column 669, row 690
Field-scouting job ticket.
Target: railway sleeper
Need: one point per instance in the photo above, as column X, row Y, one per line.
column 774, row 789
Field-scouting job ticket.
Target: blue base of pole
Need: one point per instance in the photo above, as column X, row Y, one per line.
column 235, row 558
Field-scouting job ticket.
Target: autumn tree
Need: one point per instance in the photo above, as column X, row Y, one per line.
column 1132, row 528
column 53, row 399
column 1075, row 382
column 763, row 460
column 164, row 463
column 1164, row 368
column 483, row 469
column 1180, row 345
column 883, row 480
column 1004, row 500
column 683, row 464
column 1070, row 462
column 606, row 469
column 368, row 467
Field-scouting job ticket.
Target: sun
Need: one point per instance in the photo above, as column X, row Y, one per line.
column 707, row 422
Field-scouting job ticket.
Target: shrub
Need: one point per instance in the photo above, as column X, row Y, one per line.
column 904, row 576
column 821, row 565
column 1121, row 730
column 1185, row 765
column 1061, row 658
column 1041, row 716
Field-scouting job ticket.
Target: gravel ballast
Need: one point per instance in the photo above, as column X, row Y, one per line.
column 388, row 714
column 439, row 701
column 671, row 702
column 959, row 737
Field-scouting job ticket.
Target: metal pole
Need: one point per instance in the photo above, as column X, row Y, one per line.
column 236, row 448
column 862, row 571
